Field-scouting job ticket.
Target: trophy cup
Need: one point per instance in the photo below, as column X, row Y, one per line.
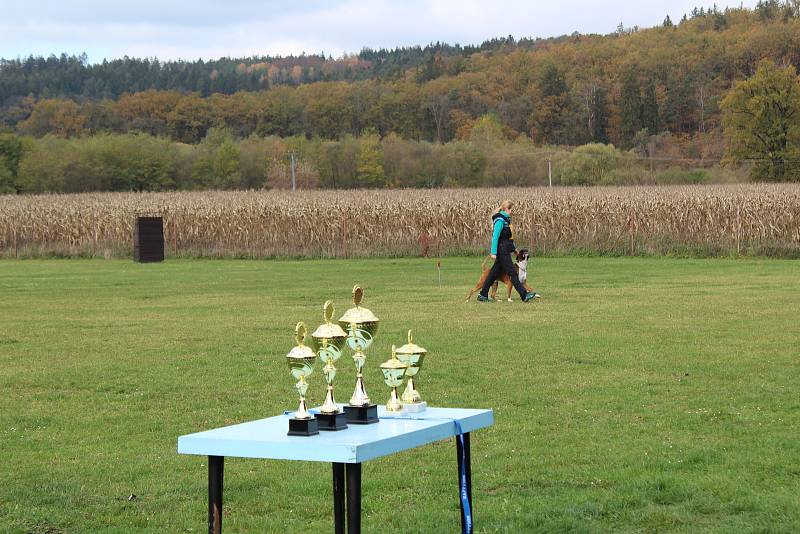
column 393, row 371
column 301, row 364
column 412, row 355
column 360, row 325
column 328, row 340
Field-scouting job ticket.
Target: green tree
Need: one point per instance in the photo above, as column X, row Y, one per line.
column 10, row 155
column 588, row 164
column 598, row 115
column 630, row 103
column 761, row 119
column 548, row 117
column 487, row 130
column 650, row 117
column 7, row 184
column 369, row 168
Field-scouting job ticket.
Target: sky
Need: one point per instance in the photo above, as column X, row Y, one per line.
column 191, row 29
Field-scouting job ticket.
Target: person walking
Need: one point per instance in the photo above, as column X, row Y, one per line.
column 502, row 247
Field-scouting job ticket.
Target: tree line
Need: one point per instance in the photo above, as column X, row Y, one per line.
column 463, row 117
column 566, row 91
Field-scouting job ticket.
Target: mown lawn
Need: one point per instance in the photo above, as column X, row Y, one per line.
column 638, row 395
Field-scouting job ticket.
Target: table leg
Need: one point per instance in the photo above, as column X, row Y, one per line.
column 462, row 453
column 353, row 498
column 216, row 466
column 338, row 497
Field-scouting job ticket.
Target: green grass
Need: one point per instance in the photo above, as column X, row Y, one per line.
column 638, row 395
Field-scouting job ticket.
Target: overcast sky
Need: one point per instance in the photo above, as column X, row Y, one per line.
column 189, row 29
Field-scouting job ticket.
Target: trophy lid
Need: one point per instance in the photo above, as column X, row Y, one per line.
column 328, row 330
column 301, row 351
column 358, row 314
column 393, row 362
column 411, row 347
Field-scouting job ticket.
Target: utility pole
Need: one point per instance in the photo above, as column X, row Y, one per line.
column 550, row 171
column 294, row 179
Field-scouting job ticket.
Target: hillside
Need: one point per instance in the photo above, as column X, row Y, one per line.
column 569, row 90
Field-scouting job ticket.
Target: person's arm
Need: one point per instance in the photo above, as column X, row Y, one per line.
column 498, row 228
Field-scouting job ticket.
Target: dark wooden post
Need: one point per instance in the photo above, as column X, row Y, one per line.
column 216, row 466
column 353, row 498
column 338, row 497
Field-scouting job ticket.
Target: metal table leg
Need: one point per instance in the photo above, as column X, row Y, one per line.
column 462, row 453
column 216, row 466
column 353, row 498
column 338, row 497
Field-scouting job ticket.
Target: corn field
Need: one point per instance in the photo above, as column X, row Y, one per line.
column 695, row 220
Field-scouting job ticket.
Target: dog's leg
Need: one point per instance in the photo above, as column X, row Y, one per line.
column 473, row 291
column 479, row 286
column 494, row 290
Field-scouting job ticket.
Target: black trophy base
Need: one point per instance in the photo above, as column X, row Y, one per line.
column 332, row 421
column 303, row 427
column 361, row 415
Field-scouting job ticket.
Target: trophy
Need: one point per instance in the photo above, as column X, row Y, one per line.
column 301, row 363
column 360, row 325
column 393, row 371
column 412, row 355
column 328, row 341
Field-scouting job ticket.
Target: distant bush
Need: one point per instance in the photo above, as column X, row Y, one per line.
column 589, row 165
column 140, row 162
column 678, row 176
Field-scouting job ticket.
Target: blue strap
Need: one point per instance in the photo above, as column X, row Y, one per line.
column 462, row 478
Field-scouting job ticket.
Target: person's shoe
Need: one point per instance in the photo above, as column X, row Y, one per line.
column 481, row 298
column 530, row 296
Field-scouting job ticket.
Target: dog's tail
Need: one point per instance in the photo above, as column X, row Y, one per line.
column 483, row 263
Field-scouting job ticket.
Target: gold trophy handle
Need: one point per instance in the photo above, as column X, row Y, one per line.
column 300, row 333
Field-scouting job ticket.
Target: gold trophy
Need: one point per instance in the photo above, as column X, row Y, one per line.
column 329, row 340
column 301, row 363
column 393, row 371
column 361, row 326
column 412, row 355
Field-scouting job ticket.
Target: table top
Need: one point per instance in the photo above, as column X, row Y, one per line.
column 266, row 438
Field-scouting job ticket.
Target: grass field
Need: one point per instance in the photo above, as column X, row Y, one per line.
column 638, row 395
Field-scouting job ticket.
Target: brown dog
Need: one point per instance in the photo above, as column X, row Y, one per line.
column 522, row 262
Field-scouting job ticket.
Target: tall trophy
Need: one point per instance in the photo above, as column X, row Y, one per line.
column 301, row 364
column 393, row 371
column 412, row 355
column 328, row 341
column 361, row 326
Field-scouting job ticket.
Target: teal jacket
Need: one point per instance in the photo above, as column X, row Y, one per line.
column 499, row 224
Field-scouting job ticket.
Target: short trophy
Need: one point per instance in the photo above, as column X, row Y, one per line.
column 361, row 326
column 329, row 340
column 412, row 355
column 393, row 371
column 301, row 363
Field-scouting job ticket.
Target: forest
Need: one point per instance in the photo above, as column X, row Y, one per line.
column 637, row 105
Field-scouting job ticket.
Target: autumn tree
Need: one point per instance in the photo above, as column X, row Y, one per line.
column 761, row 118
column 59, row 117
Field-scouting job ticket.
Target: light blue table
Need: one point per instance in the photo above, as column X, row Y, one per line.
column 266, row 438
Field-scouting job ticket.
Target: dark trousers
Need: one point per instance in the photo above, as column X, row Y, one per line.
column 503, row 263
